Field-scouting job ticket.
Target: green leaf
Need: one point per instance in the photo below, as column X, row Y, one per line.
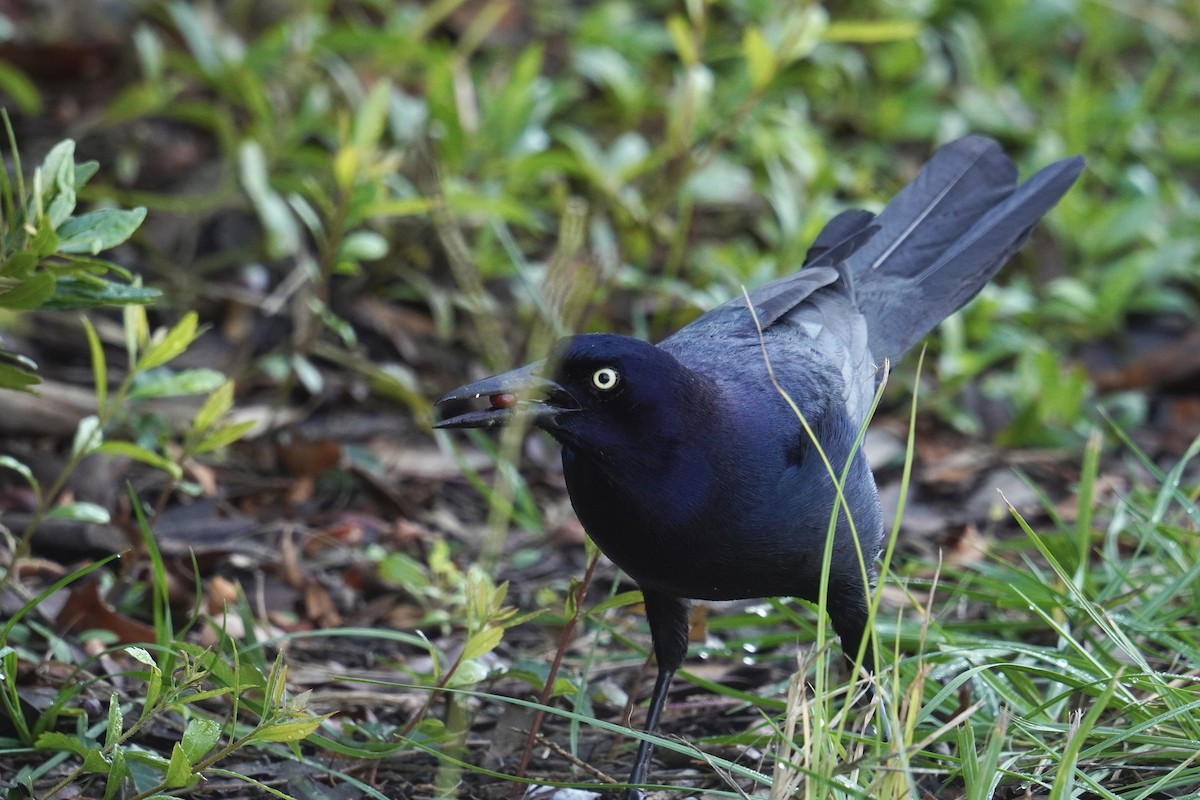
column 73, row 292
column 84, row 172
column 96, row 761
column 88, row 436
column 16, row 376
column 31, row 293
column 537, row 673
column 442, row 95
column 872, row 31
column 116, row 447
column 288, row 731
column 20, row 89
column 153, row 681
column 117, row 773
column 616, row 601
column 154, row 687
column 216, row 406
column 99, row 230
column 60, row 208
column 399, row 207
column 482, row 643
column 148, row 759
column 247, row 675
column 81, row 512
column 169, row 383
column 469, row 672
column 224, row 436
column 8, row 462
column 63, row 742
column 760, row 59
column 276, row 683
column 607, row 67
column 201, row 697
column 306, row 209
column 403, row 570
column 57, row 175
column 283, row 232
column 151, row 52
column 201, row 40
column 510, row 113
column 19, row 265
column 99, row 365
column 681, row 37
column 179, row 770
column 346, row 162
column 370, row 118
column 199, row 737
column 165, row 346
column 138, row 100
column 308, row 374
column 363, row 246
column 44, row 241
column 141, row 654
column 801, row 32
column 136, row 326
column 57, row 159
column 116, row 722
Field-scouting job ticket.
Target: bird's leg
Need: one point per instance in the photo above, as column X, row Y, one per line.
column 668, row 618
column 850, row 620
column 657, row 700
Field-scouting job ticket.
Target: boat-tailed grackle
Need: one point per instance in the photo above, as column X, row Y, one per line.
column 689, row 468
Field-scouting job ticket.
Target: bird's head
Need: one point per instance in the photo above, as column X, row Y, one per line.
column 596, row 393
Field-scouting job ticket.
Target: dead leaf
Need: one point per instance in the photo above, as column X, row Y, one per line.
column 319, row 606
column 1162, row 366
column 307, row 459
column 203, row 475
column 698, row 622
column 301, row 490
column 348, row 530
column 86, row 609
column 956, row 471
column 964, row 545
column 220, row 594
column 290, row 571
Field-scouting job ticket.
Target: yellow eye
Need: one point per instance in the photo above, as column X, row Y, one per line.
column 605, row 378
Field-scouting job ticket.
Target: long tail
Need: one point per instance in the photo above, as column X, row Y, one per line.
column 942, row 238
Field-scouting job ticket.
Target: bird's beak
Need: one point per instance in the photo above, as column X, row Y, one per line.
column 522, row 391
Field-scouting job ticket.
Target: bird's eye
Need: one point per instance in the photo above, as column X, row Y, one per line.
column 605, row 378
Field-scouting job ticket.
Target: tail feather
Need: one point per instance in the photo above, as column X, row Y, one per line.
column 944, row 236
column 1004, row 228
column 837, row 231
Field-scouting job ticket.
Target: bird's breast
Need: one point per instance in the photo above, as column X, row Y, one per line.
column 690, row 530
column 746, row 516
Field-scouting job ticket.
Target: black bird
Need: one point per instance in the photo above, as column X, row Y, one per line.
column 688, row 467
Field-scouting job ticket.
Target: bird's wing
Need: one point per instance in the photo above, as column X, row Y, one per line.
column 804, row 319
column 824, row 265
column 817, row 302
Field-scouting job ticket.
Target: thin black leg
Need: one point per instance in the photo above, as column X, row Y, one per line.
column 850, row 622
column 668, row 618
column 657, row 700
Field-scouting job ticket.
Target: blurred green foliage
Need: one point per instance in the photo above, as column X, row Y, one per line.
column 477, row 158
column 48, row 253
column 709, row 140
